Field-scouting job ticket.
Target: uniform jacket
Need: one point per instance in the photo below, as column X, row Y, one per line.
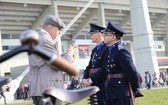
column 96, row 60
column 41, row 74
column 118, row 60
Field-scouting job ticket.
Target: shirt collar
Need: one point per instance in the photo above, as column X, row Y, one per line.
column 48, row 35
column 99, row 45
column 44, row 31
column 111, row 47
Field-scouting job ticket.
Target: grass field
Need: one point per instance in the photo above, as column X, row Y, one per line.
column 154, row 97
column 151, row 97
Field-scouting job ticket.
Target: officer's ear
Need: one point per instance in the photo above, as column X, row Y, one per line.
column 51, row 27
column 113, row 37
column 99, row 34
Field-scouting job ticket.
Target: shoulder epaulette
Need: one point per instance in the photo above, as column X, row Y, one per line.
column 120, row 47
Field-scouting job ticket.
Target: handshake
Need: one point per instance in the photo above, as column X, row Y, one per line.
column 87, row 82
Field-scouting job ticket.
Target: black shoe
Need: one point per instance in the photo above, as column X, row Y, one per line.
column 138, row 94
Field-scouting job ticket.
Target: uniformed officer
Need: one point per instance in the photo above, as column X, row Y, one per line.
column 96, row 60
column 122, row 79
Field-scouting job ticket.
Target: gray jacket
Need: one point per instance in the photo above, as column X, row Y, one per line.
column 41, row 74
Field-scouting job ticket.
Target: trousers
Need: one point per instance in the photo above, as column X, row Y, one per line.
column 119, row 101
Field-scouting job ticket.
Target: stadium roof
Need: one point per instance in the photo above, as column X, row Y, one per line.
column 18, row 15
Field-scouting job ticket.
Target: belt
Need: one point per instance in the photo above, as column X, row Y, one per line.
column 92, row 71
column 120, row 75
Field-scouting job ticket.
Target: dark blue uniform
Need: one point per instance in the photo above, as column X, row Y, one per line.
column 118, row 61
column 95, row 63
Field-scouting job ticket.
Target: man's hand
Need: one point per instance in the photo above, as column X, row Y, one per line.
column 71, row 51
column 86, row 82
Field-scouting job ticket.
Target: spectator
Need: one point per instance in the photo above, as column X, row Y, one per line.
column 22, row 91
column 2, row 89
column 26, row 90
column 140, row 81
column 18, row 93
column 74, row 84
column 147, row 80
column 155, row 80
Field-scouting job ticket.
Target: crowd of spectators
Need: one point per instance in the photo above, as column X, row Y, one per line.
column 22, row 92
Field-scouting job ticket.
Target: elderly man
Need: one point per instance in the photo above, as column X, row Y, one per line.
column 42, row 75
